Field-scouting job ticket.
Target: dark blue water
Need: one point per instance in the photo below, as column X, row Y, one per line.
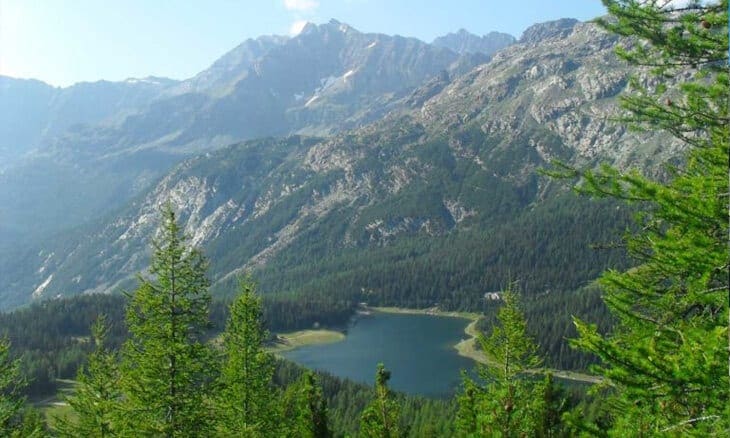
column 418, row 349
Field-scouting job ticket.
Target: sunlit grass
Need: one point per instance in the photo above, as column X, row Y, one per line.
column 54, row 407
column 292, row 340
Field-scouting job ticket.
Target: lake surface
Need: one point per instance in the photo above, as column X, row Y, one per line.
column 418, row 349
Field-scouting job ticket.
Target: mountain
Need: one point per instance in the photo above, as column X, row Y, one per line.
column 33, row 112
column 328, row 78
column 437, row 201
column 465, row 42
column 233, row 66
column 537, row 33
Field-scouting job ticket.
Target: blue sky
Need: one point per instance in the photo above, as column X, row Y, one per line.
column 66, row 41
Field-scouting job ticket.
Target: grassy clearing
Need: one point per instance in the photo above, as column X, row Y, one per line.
column 292, row 340
column 59, row 410
column 54, row 407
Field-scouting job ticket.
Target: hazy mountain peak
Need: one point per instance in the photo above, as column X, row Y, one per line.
column 550, row 29
column 342, row 27
column 8, row 81
column 331, row 26
column 308, row 28
column 231, row 67
column 465, row 42
column 151, row 80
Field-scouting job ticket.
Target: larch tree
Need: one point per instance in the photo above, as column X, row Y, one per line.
column 166, row 363
column 96, row 399
column 305, row 409
column 381, row 417
column 247, row 400
column 666, row 361
column 15, row 419
column 505, row 402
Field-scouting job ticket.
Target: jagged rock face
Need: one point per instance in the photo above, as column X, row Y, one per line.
column 539, row 33
column 560, row 81
column 428, row 90
column 465, row 42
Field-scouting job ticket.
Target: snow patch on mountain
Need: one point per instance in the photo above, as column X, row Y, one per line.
column 41, row 287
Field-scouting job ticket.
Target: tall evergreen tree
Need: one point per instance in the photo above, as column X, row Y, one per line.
column 247, row 400
column 666, row 361
column 15, row 419
column 554, row 404
column 381, row 417
column 506, row 403
column 305, row 409
column 166, row 365
column 96, row 398
column 11, row 382
column 467, row 416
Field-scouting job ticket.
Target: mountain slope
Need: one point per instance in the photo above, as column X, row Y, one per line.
column 32, row 112
column 445, row 185
column 329, row 78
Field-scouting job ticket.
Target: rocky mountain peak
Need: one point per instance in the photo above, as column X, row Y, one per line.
column 342, row 27
column 465, row 42
column 537, row 33
column 322, row 30
column 308, row 29
column 230, row 67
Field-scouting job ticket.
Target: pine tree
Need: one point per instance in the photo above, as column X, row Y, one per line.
column 468, row 400
column 666, row 361
column 11, row 382
column 15, row 419
column 31, row 425
column 97, row 395
column 305, row 409
column 506, row 403
column 554, row 404
column 381, row 417
column 509, row 346
column 166, row 365
column 247, row 401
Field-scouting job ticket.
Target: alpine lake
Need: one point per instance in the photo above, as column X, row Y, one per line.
column 418, row 349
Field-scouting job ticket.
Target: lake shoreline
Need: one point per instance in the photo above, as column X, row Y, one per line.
column 468, row 347
column 300, row 338
column 465, row 347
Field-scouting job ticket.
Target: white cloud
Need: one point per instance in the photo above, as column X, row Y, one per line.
column 301, row 5
column 676, row 4
column 296, row 27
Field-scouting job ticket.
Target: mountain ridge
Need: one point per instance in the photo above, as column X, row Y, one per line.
column 463, row 41
column 345, row 78
column 456, row 157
